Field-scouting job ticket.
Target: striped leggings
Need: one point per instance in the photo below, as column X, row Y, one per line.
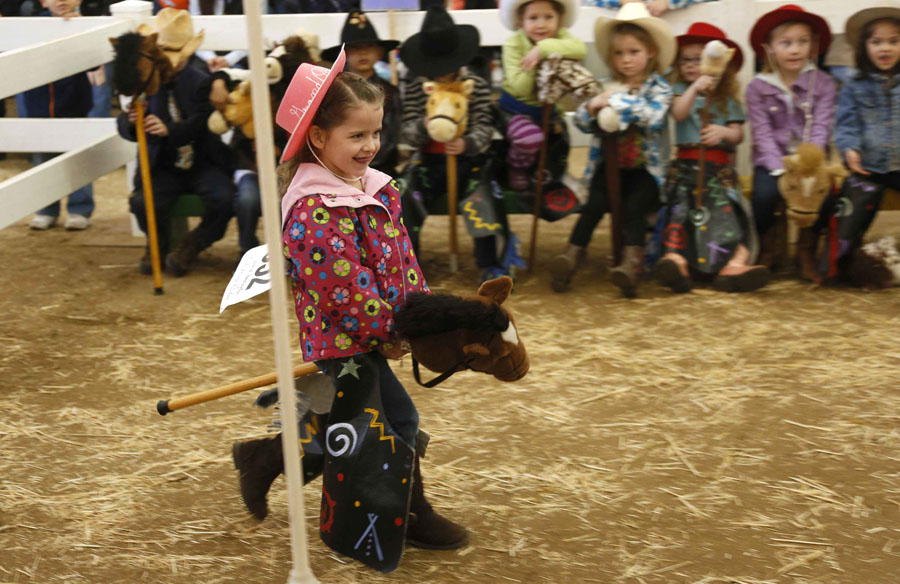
column 525, row 139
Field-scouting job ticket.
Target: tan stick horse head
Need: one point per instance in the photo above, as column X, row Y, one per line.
column 806, row 181
column 447, row 109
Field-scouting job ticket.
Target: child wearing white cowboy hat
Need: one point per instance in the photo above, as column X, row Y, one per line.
column 788, row 103
column 638, row 48
column 655, row 7
column 185, row 157
column 541, row 30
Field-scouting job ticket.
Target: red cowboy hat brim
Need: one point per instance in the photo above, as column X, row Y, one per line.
column 694, row 39
column 767, row 22
column 295, row 91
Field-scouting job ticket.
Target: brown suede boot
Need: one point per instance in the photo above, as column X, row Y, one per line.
column 807, row 247
column 179, row 261
column 425, row 528
column 564, row 267
column 259, row 462
column 626, row 274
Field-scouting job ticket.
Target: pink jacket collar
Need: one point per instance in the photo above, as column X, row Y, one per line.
column 312, row 179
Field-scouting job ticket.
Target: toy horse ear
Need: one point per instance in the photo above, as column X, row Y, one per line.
column 429, row 87
column 497, row 289
column 790, row 161
column 468, row 87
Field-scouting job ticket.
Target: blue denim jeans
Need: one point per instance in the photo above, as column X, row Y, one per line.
column 247, row 209
column 102, row 96
column 80, row 202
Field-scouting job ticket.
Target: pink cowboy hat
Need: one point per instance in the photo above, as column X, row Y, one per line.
column 301, row 101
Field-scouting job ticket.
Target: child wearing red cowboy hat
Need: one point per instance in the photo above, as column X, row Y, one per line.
column 716, row 237
column 351, row 263
column 788, row 103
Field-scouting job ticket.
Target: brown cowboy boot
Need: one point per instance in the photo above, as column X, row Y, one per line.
column 626, row 274
column 425, row 528
column 259, row 462
column 179, row 261
column 807, row 247
column 564, row 267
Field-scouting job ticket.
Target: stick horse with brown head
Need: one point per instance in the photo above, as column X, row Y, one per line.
column 143, row 62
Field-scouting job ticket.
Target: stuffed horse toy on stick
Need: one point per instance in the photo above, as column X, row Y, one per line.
column 139, row 69
column 713, row 61
column 446, row 118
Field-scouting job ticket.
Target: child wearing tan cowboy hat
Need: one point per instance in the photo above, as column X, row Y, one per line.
column 638, row 48
column 185, row 157
column 788, row 103
column 867, row 133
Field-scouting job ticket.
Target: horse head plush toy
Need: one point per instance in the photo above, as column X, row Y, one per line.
column 450, row 333
column 875, row 264
column 557, row 77
column 140, row 66
column 806, row 181
column 447, row 108
column 238, row 112
column 609, row 119
column 715, row 58
column 281, row 64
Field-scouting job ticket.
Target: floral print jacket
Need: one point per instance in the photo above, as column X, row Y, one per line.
column 350, row 260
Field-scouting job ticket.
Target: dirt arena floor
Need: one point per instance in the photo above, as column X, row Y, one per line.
column 704, row 438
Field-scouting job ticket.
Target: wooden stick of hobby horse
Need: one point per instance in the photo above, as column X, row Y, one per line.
column 613, row 193
column 170, row 405
column 451, row 211
column 148, row 196
column 539, row 190
column 701, row 158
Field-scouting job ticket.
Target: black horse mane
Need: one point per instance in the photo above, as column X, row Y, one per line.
column 126, row 78
column 427, row 314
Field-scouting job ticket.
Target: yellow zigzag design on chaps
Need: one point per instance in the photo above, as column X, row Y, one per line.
column 376, row 424
column 473, row 215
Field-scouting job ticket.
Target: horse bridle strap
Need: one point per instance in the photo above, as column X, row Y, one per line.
column 439, row 379
column 156, row 61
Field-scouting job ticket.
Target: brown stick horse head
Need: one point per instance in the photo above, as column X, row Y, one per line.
column 140, row 66
column 806, row 181
column 450, row 333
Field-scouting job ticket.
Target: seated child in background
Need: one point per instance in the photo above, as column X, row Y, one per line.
column 540, row 31
column 790, row 102
column 714, row 235
column 364, row 49
column 637, row 48
column 439, row 52
column 185, row 157
column 71, row 97
column 656, row 7
column 868, row 129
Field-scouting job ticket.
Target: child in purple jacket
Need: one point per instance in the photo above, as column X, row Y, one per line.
column 789, row 102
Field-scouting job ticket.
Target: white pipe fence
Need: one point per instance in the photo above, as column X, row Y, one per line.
column 40, row 50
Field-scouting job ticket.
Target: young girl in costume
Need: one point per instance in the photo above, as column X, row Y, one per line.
column 351, row 264
column 867, row 130
column 541, row 30
column 638, row 48
column 790, row 102
column 712, row 235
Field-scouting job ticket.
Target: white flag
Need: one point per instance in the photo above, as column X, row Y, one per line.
column 251, row 277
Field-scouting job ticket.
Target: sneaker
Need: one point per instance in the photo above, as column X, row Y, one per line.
column 42, row 222
column 518, row 179
column 77, row 222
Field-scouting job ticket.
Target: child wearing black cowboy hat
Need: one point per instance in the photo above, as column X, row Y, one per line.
column 440, row 52
column 364, row 49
